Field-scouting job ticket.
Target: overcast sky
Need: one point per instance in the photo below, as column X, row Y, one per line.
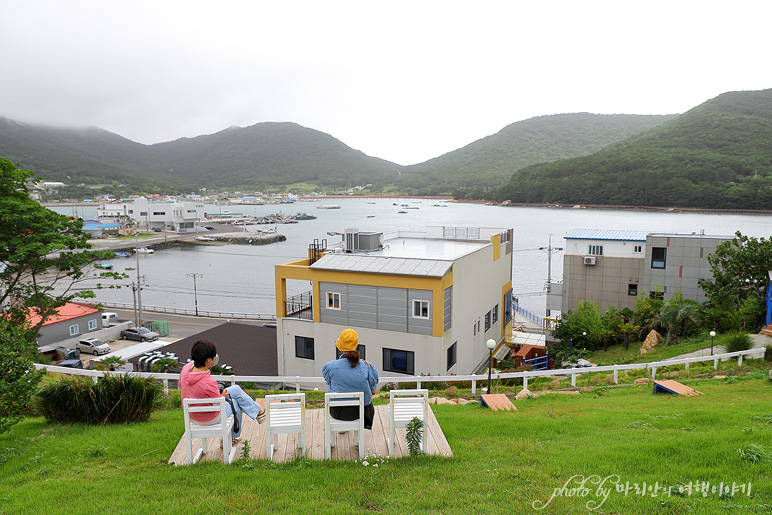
column 403, row 81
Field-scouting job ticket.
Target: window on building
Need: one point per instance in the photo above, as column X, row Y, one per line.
column 191, row 210
column 595, row 250
column 74, row 330
column 304, row 347
column 658, row 257
column 333, row 300
column 637, row 249
column 656, row 295
column 507, row 307
column 420, row 309
column 474, row 328
column 159, row 213
column 92, row 325
column 632, row 290
column 143, row 213
column 131, row 211
column 495, row 313
column 400, row 361
column 452, row 355
column 487, row 320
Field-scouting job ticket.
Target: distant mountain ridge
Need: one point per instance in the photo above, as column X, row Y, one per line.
column 270, row 154
column 492, row 160
column 717, row 154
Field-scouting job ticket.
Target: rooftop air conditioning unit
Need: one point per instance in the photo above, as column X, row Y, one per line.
column 589, row 260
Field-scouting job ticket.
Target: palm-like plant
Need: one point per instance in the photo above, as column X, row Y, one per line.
column 676, row 314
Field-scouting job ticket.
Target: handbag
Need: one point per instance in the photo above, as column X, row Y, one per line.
column 233, row 409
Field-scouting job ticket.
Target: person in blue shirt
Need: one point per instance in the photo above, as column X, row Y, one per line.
column 349, row 373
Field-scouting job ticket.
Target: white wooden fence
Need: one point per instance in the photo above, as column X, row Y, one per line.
column 285, row 381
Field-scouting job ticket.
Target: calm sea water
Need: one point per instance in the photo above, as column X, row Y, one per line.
column 240, row 279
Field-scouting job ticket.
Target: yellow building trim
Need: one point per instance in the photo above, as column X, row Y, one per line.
column 504, row 290
column 299, row 270
column 496, row 241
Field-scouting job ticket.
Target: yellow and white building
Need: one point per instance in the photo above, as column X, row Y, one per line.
column 422, row 303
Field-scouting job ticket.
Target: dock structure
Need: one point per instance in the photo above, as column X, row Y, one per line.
column 674, row 387
column 376, row 440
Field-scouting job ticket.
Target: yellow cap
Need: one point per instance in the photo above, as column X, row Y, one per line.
column 347, row 340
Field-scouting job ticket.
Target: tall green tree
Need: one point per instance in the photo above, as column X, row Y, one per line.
column 42, row 255
column 740, row 267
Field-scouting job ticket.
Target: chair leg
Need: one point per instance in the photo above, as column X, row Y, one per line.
column 203, row 445
column 268, row 445
column 391, row 440
column 189, row 448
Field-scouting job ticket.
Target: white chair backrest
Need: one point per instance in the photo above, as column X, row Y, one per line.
column 404, row 406
column 219, row 429
column 288, row 412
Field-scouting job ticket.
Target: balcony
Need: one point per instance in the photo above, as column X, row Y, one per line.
column 300, row 306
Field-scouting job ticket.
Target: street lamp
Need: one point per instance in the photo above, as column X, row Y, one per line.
column 712, row 335
column 491, row 343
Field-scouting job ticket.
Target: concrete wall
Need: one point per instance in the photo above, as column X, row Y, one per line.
column 686, row 262
column 606, row 283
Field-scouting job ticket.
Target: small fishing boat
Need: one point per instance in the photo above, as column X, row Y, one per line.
column 401, row 212
column 144, row 250
column 122, row 254
column 104, row 266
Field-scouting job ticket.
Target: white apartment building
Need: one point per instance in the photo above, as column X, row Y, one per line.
column 422, row 303
column 175, row 216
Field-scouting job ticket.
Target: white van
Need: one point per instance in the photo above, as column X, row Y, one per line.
column 109, row 319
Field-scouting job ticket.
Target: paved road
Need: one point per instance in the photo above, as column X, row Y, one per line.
column 759, row 340
column 182, row 326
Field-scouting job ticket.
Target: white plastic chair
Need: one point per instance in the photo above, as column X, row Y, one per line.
column 287, row 416
column 331, row 425
column 404, row 406
column 220, row 429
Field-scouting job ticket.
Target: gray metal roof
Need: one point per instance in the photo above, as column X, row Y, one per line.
column 606, row 234
column 383, row 265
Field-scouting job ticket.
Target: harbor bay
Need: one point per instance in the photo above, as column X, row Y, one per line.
column 239, row 279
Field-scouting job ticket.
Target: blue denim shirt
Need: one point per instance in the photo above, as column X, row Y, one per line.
column 341, row 377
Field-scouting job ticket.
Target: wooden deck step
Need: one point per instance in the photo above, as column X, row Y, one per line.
column 767, row 330
column 375, row 440
column 498, row 401
column 674, row 387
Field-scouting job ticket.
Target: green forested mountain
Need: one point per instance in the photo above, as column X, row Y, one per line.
column 491, row 161
column 257, row 156
column 267, row 154
column 718, row 154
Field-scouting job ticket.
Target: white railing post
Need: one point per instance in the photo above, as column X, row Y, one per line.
column 418, row 385
column 653, row 373
column 740, row 360
column 525, row 382
column 297, row 384
column 166, row 388
column 715, row 364
column 616, row 376
column 686, row 366
column 573, row 380
column 474, row 386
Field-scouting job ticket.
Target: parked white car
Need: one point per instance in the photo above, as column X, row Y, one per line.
column 93, row 346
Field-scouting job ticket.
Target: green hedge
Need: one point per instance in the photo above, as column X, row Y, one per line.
column 112, row 399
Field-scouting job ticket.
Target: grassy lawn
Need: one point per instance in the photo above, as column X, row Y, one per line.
column 617, row 354
column 503, row 463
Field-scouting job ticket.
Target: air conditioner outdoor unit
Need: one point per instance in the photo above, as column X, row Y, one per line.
column 589, row 260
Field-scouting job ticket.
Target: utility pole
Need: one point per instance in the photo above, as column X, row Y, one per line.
column 139, row 282
column 550, row 249
column 134, row 291
column 195, row 292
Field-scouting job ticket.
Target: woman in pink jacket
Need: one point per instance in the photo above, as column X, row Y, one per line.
column 196, row 383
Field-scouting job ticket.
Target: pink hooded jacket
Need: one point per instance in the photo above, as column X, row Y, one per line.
column 198, row 385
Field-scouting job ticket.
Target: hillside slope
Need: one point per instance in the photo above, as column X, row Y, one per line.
column 492, row 160
column 718, row 155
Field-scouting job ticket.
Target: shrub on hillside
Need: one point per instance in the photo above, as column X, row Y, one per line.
column 768, row 353
column 738, row 341
column 112, row 399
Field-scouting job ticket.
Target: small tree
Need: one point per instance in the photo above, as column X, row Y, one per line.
column 676, row 314
column 740, row 269
column 19, row 377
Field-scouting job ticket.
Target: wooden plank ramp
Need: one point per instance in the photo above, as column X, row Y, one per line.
column 375, row 440
column 674, row 387
column 498, row 401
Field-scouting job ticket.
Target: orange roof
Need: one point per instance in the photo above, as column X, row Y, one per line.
column 66, row 312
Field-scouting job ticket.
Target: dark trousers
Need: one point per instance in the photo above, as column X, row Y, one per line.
column 352, row 413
